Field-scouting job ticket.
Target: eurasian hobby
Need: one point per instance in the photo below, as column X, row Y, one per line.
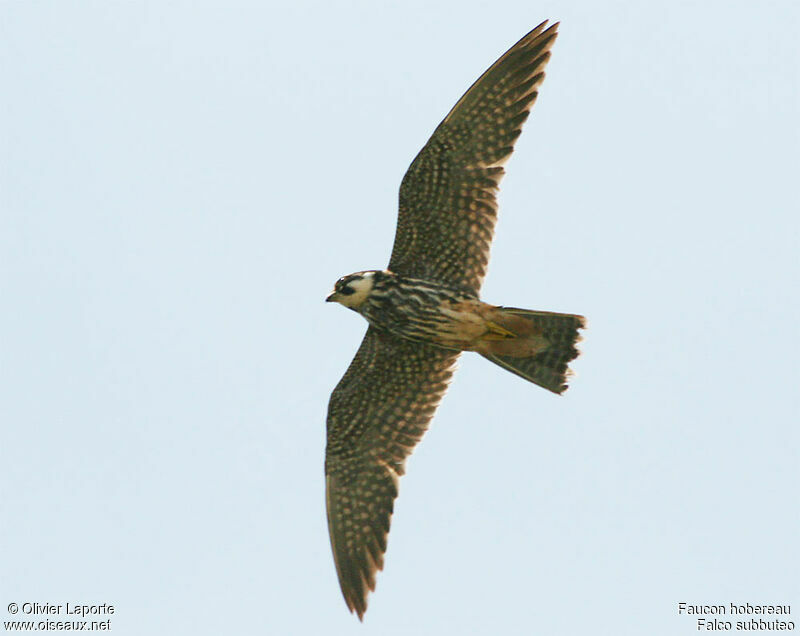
column 424, row 310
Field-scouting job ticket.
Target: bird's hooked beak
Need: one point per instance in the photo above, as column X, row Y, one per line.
column 331, row 297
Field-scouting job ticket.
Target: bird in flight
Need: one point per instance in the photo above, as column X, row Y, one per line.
column 424, row 310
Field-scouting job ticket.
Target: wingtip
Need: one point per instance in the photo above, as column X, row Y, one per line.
column 356, row 598
column 552, row 31
column 356, row 604
column 540, row 30
column 539, row 37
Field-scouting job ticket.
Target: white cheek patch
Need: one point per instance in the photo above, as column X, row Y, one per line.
column 362, row 288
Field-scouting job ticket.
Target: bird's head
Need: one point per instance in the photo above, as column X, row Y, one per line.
column 351, row 291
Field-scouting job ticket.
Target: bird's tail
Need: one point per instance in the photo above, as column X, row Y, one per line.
column 536, row 345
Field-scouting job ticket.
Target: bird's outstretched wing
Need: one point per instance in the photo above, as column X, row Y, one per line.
column 377, row 413
column 447, row 197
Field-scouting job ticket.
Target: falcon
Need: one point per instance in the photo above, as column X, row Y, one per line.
column 424, row 310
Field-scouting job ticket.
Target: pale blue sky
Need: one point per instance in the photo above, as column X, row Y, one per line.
column 182, row 182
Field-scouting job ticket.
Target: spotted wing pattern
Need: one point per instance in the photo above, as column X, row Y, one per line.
column 447, row 198
column 377, row 413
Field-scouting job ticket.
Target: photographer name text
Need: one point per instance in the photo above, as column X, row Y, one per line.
column 72, row 609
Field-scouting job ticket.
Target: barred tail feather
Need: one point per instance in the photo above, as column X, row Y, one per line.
column 542, row 346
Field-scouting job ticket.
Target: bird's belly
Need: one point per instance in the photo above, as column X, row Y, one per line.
column 458, row 325
column 462, row 327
